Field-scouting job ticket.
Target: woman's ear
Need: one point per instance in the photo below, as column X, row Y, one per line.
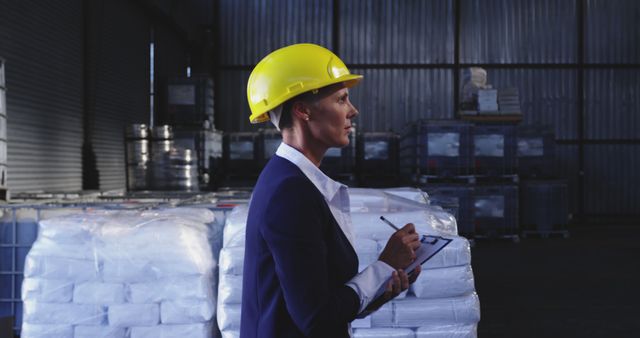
column 301, row 111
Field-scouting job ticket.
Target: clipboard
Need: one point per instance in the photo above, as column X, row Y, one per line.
column 429, row 247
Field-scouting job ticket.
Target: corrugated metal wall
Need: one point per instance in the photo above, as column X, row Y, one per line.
column 612, row 104
column 400, row 32
column 395, row 44
column 251, row 29
column 547, row 96
column 170, row 61
column 518, row 31
column 567, row 166
column 611, row 108
column 390, row 98
column 232, row 107
column 611, row 31
column 42, row 44
column 122, row 84
column 611, row 179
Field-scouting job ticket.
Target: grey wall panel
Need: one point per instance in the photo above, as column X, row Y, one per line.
column 611, row 31
column 171, row 53
column 251, row 29
column 567, row 166
column 389, row 98
column 170, row 62
column 547, row 96
column 612, row 104
column 388, row 31
column 233, row 110
column 518, row 31
column 42, row 45
column 121, row 86
column 611, row 179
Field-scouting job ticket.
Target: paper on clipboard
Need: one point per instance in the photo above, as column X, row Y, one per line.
column 429, row 247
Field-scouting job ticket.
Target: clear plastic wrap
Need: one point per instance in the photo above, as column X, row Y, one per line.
column 83, row 331
column 230, row 289
column 229, row 316
column 231, row 260
column 446, row 286
column 185, row 311
column 385, row 200
column 454, row 281
column 364, row 200
column 367, row 250
column 412, row 194
column 199, row 330
column 383, row 333
column 121, row 273
column 447, row 331
column 47, row 331
column 384, row 316
column 416, row 312
column 235, row 226
column 230, row 334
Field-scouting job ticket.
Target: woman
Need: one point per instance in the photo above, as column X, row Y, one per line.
column 301, row 271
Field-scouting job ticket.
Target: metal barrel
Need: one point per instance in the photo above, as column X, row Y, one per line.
column 137, row 156
column 164, row 132
column 182, row 170
column 136, row 131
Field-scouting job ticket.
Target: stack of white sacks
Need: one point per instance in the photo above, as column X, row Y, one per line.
column 441, row 303
column 112, row 274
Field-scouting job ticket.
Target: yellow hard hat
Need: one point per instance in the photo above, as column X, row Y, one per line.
column 291, row 71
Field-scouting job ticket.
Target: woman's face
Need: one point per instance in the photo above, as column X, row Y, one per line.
column 330, row 118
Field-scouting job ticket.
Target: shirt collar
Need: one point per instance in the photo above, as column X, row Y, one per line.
column 327, row 187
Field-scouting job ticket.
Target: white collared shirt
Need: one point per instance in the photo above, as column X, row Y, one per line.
column 368, row 283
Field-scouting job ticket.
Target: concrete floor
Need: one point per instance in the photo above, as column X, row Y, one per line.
column 584, row 286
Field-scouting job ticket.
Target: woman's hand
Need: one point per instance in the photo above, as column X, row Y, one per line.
column 400, row 249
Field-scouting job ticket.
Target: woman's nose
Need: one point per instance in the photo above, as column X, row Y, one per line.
column 354, row 111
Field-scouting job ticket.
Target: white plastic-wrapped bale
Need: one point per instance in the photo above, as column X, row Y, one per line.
column 384, row 316
column 449, row 282
column 230, row 289
column 384, row 333
column 230, row 334
column 229, row 317
column 47, row 330
column 104, row 331
column 235, row 227
column 387, row 200
column 447, row 331
column 411, row 194
column 365, row 200
column 112, row 274
column 231, row 260
column 198, row 330
column 416, row 312
column 367, row 251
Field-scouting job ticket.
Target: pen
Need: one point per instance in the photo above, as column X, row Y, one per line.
column 425, row 238
column 389, row 223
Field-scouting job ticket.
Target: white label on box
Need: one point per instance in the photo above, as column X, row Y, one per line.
column 443, row 144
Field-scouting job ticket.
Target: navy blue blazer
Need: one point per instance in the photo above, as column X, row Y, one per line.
column 297, row 261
